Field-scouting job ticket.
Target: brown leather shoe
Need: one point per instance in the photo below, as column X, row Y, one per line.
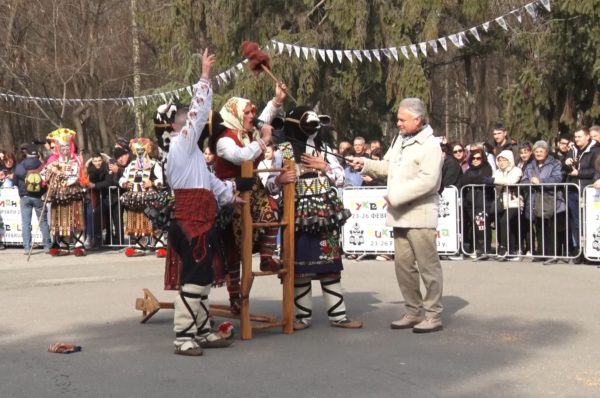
column 346, row 323
column 429, row 325
column 407, row 321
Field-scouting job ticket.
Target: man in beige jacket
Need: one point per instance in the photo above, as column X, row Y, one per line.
column 413, row 167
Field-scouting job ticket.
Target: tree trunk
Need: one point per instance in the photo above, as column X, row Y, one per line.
column 139, row 122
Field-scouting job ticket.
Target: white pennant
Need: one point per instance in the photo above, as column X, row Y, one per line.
column 394, row 52
column 455, row 40
column 163, row 96
column 322, row 54
column 546, row 4
column 502, row 23
column 240, row 66
column 404, row 51
column 330, row 55
column 518, row 15
column 462, row 39
column 313, row 52
column 434, row 45
column 189, row 90
column 280, row 47
column 376, row 54
column 357, row 54
column 223, row 77
column 486, row 26
column 305, row 52
column 348, row 55
column 297, row 51
column 289, row 48
column 413, row 49
column 340, row 55
column 531, row 10
column 423, row 47
column 367, row 55
column 386, row 52
column 475, row 33
column 443, row 43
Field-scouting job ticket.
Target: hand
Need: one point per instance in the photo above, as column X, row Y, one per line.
column 314, row 162
column 128, row 185
column 237, row 201
column 280, row 93
column 113, row 168
column 569, row 162
column 535, row 180
column 357, row 163
column 287, row 177
column 207, row 63
column 597, row 184
column 243, row 184
column 574, row 173
column 266, row 132
column 148, row 184
column 367, row 179
column 91, row 185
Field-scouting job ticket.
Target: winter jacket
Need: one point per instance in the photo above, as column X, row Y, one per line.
column 413, row 167
column 550, row 172
column 586, row 164
column 451, row 172
column 510, row 176
column 29, row 163
column 477, row 198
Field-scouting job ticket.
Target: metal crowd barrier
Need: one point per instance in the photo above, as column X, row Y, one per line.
column 104, row 226
column 513, row 221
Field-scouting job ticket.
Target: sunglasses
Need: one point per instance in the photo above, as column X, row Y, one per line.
column 458, row 151
column 476, row 158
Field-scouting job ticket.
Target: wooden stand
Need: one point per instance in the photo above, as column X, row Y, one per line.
column 149, row 305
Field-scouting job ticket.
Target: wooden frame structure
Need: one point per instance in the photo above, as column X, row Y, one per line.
column 249, row 322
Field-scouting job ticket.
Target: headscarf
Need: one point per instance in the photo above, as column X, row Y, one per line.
column 233, row 117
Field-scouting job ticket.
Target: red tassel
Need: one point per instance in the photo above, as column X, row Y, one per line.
column 256, row 57
column 161, row 252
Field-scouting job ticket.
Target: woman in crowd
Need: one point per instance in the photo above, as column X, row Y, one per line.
column 507, row 206
column 477, row 205
column 546, row 206
column 460, row 154
column 10, row 161
column 525, row 155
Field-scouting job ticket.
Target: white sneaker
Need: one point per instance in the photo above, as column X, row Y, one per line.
column 458, row 257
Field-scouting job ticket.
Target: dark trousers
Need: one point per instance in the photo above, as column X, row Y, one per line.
column 196, row 273
column 550, row 234
column 507, row 228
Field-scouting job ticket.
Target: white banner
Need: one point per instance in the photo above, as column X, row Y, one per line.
column 591, row 232
column 10, row 216
column 366, row 230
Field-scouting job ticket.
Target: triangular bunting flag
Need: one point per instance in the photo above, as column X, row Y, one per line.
column 518, row 15
column 322, row 54
column 289, row 48
column 330, row 55
column 189, row 90
column 531, row 10
column 394, row 52
column 367, row 55
column 443, row 43
column 486, row 26
column 348, row 55
column 423, row 47
column 340, row 55
column 454, row 39
column 404, row 51
column 546, row 4
column 313, row 52
column 386, row 52
column 305, row 52
column 280, row 47
column 434, row 45
column 163, row 96
column 462, row 39
column 413, row 49
column 297, row 51
column 357, row 54
column 376, row 54
column 475, row 33
column 240, row 66
column 502, row 22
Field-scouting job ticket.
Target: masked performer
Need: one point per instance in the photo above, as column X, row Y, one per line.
column 238, row 142
column 63, row 173
column 191, row 234
column 142, row 179
column 320, row 215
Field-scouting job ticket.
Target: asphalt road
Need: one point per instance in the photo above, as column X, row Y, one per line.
column 511, row 330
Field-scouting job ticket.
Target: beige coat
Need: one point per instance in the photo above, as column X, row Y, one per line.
column 414, row 173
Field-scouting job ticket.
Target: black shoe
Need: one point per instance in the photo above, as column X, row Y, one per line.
column 578, row 260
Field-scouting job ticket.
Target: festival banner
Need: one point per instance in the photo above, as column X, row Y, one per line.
column 10, row 218
column 366, row 231
column 591, row 229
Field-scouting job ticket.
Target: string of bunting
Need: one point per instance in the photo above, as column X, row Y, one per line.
column 459, row 40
